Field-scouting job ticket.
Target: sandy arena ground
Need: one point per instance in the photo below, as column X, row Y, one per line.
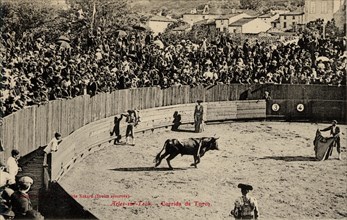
column 277, row 158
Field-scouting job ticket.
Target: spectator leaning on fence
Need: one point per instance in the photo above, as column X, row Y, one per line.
column 52, row 147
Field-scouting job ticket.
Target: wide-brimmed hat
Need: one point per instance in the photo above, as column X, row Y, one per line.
column 334, row 121
column 199, row 101
column 26, row 180
column 245, row 186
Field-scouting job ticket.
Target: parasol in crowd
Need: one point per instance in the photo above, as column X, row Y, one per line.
column 63, row 38
column 142, row 27
column 64, row 45
column 324, row 59
column 120, row 33
column 159, row 44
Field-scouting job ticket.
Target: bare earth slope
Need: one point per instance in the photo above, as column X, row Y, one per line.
column 276, row 158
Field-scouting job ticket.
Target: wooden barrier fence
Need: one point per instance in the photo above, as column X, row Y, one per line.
column 96, row 135
column 34, row 126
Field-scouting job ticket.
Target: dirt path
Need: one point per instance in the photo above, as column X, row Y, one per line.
column 276, row 158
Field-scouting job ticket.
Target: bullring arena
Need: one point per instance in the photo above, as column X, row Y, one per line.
column 268, row 144
column 277, row 158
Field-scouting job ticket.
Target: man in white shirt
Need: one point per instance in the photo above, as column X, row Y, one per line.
column 5, row 180
column 52, row 146
column 12, row 163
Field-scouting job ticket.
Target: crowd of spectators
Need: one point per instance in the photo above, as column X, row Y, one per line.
column 36, row 70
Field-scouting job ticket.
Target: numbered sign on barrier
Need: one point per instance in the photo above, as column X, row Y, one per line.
column 300, row 107
column 275, row 107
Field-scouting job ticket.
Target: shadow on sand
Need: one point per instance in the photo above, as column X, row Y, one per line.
column 184, row 130
column 142, row 169
column 290, row 158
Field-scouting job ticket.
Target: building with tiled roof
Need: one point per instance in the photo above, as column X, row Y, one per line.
column 269, row 17
column 158, row 24
column 250, row 25
column 291, row 20
column 222, row 22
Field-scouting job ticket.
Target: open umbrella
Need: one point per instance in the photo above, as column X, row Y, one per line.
column 324, row 59
column 65, row 45
column 120, row 33
column 63, row 38
column 159, row 44
column 142, row 27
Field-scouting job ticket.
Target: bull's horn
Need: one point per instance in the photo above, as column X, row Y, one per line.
column 217, row 138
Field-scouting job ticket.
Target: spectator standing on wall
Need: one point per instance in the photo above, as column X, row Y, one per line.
column 267, row 96
column 52, row 146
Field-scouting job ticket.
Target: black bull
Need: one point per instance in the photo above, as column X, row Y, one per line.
column 196, row 147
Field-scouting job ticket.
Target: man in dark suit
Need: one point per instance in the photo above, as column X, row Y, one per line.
column 199, row 117
column 116, row 129
column 21, row 203
column 335, row 132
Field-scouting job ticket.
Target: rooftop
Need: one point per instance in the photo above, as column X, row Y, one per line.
column 276, row 21
column 226, row 17
column 205, row 22
column 268, row 15
column 242, row 21
column 161, row 18
column 203, row 14
column 292, row 13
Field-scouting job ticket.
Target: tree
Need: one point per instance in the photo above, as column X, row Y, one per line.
column 251, row 4
column 101, row 13
column 20, row 16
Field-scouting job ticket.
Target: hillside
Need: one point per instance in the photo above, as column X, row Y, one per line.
column 181, row 6
column 178, row 7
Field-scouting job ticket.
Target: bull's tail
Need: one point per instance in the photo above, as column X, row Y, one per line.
column 157, row 158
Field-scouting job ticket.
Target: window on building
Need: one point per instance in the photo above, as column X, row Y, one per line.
column 284, row 17
column 234, row 30
column 293, row 24
column 284, row 24
column 275, row 25
column 324, row 7
column 313, row 8
column 293, row 17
